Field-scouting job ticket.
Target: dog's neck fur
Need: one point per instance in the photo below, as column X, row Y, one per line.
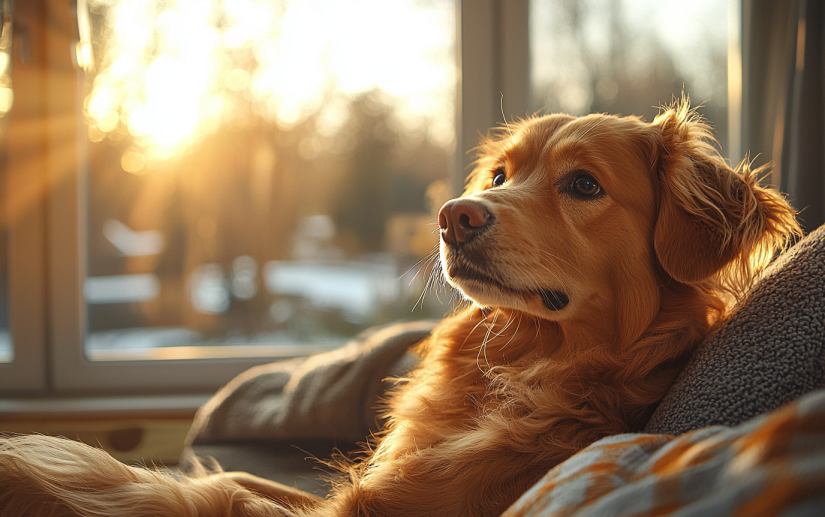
column 636, row 372
column 556, row 372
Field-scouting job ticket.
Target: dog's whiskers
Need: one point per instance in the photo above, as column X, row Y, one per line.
column 505, row 116
column 480, row 322
column 556, row 276
column 434, row 277
column 593, row 126
column 531, row 279
column 427, row 258
column 555, row 257
column 513, row 336
column 483, row 347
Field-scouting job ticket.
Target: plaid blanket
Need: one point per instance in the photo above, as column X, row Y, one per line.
column 771, row 465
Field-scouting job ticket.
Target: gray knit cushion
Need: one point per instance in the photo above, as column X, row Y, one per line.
column 769, row 353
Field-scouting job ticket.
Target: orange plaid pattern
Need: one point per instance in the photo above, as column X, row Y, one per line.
column 771, row 465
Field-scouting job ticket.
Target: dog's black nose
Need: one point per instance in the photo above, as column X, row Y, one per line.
column 461, row 219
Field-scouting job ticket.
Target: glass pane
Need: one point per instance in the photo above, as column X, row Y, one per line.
column 6, row 101
column 263, row 176
column 629, row 57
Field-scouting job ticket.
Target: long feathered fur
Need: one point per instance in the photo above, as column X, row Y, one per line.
column 54, row 477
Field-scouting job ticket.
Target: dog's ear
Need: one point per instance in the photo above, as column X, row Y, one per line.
column 712, row 217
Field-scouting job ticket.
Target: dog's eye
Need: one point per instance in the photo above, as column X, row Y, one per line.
column 499, row 178
column 585, row 186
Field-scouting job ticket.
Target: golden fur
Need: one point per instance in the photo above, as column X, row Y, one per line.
column 584, row 307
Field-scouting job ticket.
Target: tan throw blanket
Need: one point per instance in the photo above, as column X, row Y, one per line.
column 329, row 395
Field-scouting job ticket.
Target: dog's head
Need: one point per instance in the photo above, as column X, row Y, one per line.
column 570, row 218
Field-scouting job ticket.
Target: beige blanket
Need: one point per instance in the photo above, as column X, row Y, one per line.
column 329, row 395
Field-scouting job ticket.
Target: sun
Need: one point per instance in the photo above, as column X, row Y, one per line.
column 173, row 71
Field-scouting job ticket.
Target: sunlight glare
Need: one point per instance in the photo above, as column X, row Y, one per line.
column 174, row 70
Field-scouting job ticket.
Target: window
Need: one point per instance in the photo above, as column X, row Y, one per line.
column 259, row 175
column 629, row 57
column 256, row 182
column 206, row 186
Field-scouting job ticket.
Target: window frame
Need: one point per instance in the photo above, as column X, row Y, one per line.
column 48, row 259
column 26, row 218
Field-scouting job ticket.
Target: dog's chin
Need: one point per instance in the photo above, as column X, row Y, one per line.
column 486, row 291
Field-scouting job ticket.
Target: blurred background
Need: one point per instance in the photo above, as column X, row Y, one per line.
column 270, row 172
column 263, row 172
column 193, row 187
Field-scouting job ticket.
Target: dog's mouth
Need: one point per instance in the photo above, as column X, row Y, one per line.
column 552, row 299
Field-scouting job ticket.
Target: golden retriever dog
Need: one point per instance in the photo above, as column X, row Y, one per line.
column 595, row 252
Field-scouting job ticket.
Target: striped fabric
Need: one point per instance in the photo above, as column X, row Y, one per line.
column 771, row 465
